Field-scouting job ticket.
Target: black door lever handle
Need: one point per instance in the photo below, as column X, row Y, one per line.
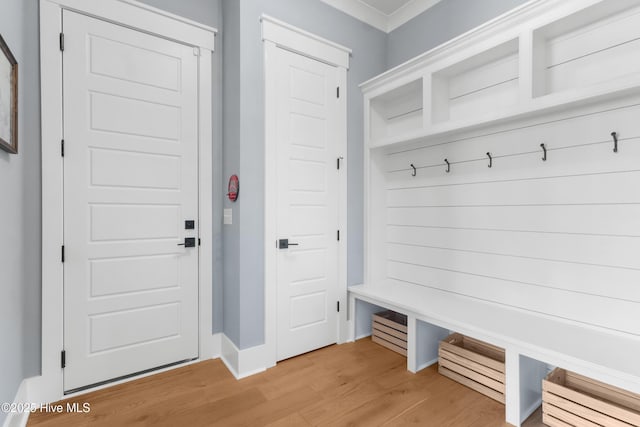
column 189, row 242
column 284, row 244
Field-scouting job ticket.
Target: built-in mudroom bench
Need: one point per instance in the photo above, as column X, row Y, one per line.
column 502, row 196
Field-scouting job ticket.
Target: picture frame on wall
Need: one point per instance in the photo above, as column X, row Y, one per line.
column 8, row 99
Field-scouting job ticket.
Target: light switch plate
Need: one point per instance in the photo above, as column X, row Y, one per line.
column 228, row 216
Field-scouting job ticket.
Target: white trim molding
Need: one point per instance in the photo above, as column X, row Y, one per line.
column 243, row 363
column 216, row 346
column 362, row 12
column 304, row 43
column 407, row 12
column 277, row 34
column 379, row 19
column 133, row 14
column 49, row 386
column 19, row 419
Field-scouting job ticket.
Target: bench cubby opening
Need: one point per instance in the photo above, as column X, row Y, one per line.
column 473, row 363
column 572, row 399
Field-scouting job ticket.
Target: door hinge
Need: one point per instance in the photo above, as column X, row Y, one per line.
column 338, row 306
column 62, row 253
column 62, row 148
column 338, row 163
column 62, row 42
column 63, row 359
column 338, row 235
column 338, row 92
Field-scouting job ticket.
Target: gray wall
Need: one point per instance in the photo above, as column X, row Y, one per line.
column 244, row 289
column 231, row 153
column 204, row 11
column 441, row 23
column 209, row 12
column 20, row 211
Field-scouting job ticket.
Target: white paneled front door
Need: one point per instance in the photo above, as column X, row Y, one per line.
column 307, row 203
column 130, row 183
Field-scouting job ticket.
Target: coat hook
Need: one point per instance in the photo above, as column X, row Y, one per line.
column 544, row 148
column 448, row 165
column 490, row 159
column 615, row 141
column 414, row 170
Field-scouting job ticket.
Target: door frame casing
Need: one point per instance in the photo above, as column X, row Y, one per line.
column 280, row 35
column 131, row 14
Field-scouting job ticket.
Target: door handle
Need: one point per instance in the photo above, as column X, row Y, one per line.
column 189, row 242
column 284, row 244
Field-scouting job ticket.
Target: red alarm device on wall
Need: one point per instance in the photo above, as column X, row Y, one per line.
column 234, row 188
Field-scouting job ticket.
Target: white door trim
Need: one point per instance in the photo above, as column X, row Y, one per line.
column 303, row 42
column 49, row 386
column 277, row 34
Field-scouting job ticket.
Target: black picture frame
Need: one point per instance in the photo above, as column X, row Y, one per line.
column 8, row 101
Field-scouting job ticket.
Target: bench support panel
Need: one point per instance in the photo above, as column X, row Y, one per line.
column 422, row 343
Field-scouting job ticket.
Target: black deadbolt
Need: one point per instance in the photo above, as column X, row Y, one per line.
column 189, row 224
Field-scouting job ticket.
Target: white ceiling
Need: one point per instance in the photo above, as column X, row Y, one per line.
column 386, row 15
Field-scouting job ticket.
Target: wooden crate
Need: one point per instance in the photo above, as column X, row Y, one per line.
column 473, row 363
column 390, row 330
column 570, row 399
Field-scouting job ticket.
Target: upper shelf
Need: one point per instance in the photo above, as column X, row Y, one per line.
column 542, row 56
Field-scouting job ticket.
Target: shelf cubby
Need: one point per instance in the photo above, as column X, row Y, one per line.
column 397, row 111
column 486, row 82
column 595, row 45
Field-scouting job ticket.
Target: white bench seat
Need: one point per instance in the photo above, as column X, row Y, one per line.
column 610, row 357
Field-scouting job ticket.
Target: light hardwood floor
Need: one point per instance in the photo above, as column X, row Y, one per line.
column 355, row 384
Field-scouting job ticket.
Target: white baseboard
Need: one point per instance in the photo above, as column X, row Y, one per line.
column 243, row 363
column 216, row 346
column 19, row 419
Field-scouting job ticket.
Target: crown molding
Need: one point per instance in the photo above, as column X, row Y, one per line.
column 378, row 19
column 362, row 12
column 408, row 12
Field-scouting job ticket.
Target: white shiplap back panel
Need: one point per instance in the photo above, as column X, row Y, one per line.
column 596, row 52
column 502, row 95
column 583, row 278
column 578, row 249
column 557, row 237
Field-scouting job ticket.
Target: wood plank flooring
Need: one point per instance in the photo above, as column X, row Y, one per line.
column 355, row 384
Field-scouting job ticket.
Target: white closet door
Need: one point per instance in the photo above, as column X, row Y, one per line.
column 307, row 200
column 130, row 182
